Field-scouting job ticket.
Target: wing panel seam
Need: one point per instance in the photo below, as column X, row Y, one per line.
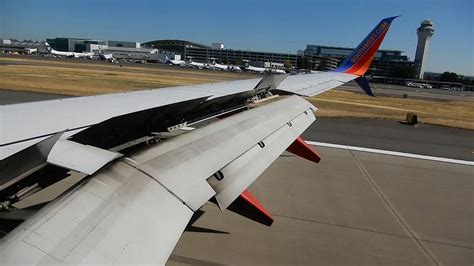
column 133, row 164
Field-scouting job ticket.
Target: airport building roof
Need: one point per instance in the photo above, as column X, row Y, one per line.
column 130, row 49
column 22, row 44
column 176, row 46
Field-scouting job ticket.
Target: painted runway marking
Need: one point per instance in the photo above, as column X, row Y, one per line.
column 394, row 153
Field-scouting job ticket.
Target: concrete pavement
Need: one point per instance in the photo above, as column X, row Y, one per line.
column 353, row 208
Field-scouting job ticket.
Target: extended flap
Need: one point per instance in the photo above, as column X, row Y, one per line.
column 235, row 177
column 82, row 158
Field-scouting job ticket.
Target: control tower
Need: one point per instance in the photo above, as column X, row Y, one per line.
column 424, row 32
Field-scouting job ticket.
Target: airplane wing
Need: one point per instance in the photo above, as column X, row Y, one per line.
column 125, row 173
column 147, row 200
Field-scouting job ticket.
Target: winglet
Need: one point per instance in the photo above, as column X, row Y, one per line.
column 360, row 59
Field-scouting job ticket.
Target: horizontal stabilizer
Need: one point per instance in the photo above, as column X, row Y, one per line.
column 248, row 206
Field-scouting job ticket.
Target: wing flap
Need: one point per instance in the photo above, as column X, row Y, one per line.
column 184, row 164
column 120, row 216
column 82, row 158
column 242, row 171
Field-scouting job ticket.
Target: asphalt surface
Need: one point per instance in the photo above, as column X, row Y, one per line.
column 391, row 135
column 13, row 97
column 391, row 90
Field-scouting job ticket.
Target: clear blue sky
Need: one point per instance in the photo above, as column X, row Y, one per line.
column 279, row 26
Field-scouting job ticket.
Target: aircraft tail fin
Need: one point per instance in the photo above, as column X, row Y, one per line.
column 48, row 47
column 360, row 59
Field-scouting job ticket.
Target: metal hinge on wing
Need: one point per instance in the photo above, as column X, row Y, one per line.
column 174, row 131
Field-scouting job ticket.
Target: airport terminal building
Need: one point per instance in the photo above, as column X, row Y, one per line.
column 207, row 54
column 87, row 45
column 326, row 58
column 237, row 57
column 314, row 57
column 119, row 49
column 12, row 45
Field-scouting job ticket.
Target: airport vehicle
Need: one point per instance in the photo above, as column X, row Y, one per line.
column 123, row 174
column 31, row 50
column 68, row 54
column 419, row 85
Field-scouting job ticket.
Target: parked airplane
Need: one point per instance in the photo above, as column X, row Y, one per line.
column 108, row 57
column 256, row 69
column 68, row 54
column 175, row 62
column 277, row 71
column 197, row 65
column 262, row 70
column 234, row 68
column 110, row 204
column 225, row 67
column 220, row 67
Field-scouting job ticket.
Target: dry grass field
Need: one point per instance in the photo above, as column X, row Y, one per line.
column 337, row 103
column 82, row 77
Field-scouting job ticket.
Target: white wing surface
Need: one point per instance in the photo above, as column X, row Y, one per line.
column 120, row 216
column 314, row 84
column 135, row 209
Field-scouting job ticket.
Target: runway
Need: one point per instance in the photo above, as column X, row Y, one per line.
column 354, row 208
column 13, row 96
column 423, row 139
column 399, row 91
